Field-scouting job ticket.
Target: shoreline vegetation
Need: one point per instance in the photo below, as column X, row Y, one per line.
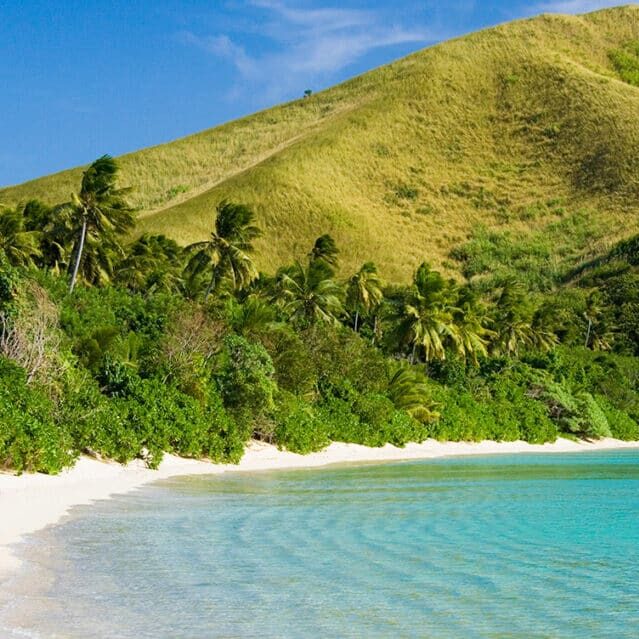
column 32, row 502
column 133, row 350
column 130, row 350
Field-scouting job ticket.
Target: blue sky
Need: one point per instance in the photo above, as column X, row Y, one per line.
column 80, row 78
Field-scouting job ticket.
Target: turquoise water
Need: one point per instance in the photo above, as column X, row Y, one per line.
column 508, row 546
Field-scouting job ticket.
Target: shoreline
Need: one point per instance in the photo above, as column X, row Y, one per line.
column 31, row 502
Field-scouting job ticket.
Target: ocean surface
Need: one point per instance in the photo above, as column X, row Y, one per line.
column 518, row 546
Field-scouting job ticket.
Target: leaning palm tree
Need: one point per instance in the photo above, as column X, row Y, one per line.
column 514, row 323
column 599, row 336
column 227, row 251
column 152, row 263
column 471, row 319
column 19, row 245
column 324, row 250
column 308, row 295
column 426, row 316
column 100, row 213
column 364, row 292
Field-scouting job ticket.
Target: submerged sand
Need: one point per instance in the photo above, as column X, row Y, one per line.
column 31, row 502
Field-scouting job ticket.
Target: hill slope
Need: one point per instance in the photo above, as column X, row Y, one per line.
column 527, row 127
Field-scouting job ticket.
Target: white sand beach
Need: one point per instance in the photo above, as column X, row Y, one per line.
column 31, row 502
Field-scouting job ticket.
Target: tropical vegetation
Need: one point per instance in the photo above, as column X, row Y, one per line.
column 132, row 349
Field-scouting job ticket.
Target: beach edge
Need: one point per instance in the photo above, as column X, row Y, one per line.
column 31, row 502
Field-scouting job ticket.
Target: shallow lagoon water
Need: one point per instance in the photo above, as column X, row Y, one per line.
column 501, row 546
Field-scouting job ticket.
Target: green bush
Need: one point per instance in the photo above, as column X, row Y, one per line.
column 370, row 420
column 503, row 412
column 622, row 426
column 245, row 377
column 341, row 422
column 295, row 370
column 463, row 418
column 626, row 62
column 575, row 411
column 339, row 354
column 8, row 281
column 163, row 419
column 151, row 418
column 207, row 430
column 30, row 438
column 517, row 416
column 298, row 427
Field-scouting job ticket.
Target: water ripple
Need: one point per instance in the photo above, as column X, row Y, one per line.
column 507, row 547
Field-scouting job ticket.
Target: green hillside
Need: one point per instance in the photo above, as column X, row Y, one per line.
column 529, row 129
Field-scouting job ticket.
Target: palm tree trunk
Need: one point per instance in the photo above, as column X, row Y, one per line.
column 374, row 330
column 588, row 332
column 356, row 320
column 234, row 279
column 209, row 288
column 412, row 355
column 78, row 257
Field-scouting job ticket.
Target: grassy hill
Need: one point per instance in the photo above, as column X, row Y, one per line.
column 528, row 132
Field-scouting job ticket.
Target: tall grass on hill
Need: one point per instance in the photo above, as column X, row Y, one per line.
column 407, row 161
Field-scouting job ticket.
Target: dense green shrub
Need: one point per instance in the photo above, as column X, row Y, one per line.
column 463, row 418
column 340, row 420
column 381, row 423
column 30, row 438
column 369, row 419
column 244, row 376
column 208, row 430
column 574, row 411
column 299, row 428
column 626, row 62
column 504, row 412
column 151, row 418
column 295, row 370
column 622, row 426
column 8, row 281
column 340, row 354
column 516, row 414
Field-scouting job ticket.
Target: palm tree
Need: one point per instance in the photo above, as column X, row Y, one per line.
column 227, row 250
column 20, row 246
column 364, row 292
column 252, row 318
column 153, row 262
column 309, row 294
column 324, row 250
column 598, row 336
column 57, row 233
column 409, row 391
column 514, row 322
column 100, row 213
column 426, row 316
column 470, row 318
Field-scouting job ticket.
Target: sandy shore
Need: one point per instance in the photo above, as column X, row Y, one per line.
column 31, row 502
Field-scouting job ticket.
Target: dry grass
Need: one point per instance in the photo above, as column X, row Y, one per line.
column 402, row 163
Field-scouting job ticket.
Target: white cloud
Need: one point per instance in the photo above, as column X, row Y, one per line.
column 223, row 47
column 306, row 45
column 318, row 18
